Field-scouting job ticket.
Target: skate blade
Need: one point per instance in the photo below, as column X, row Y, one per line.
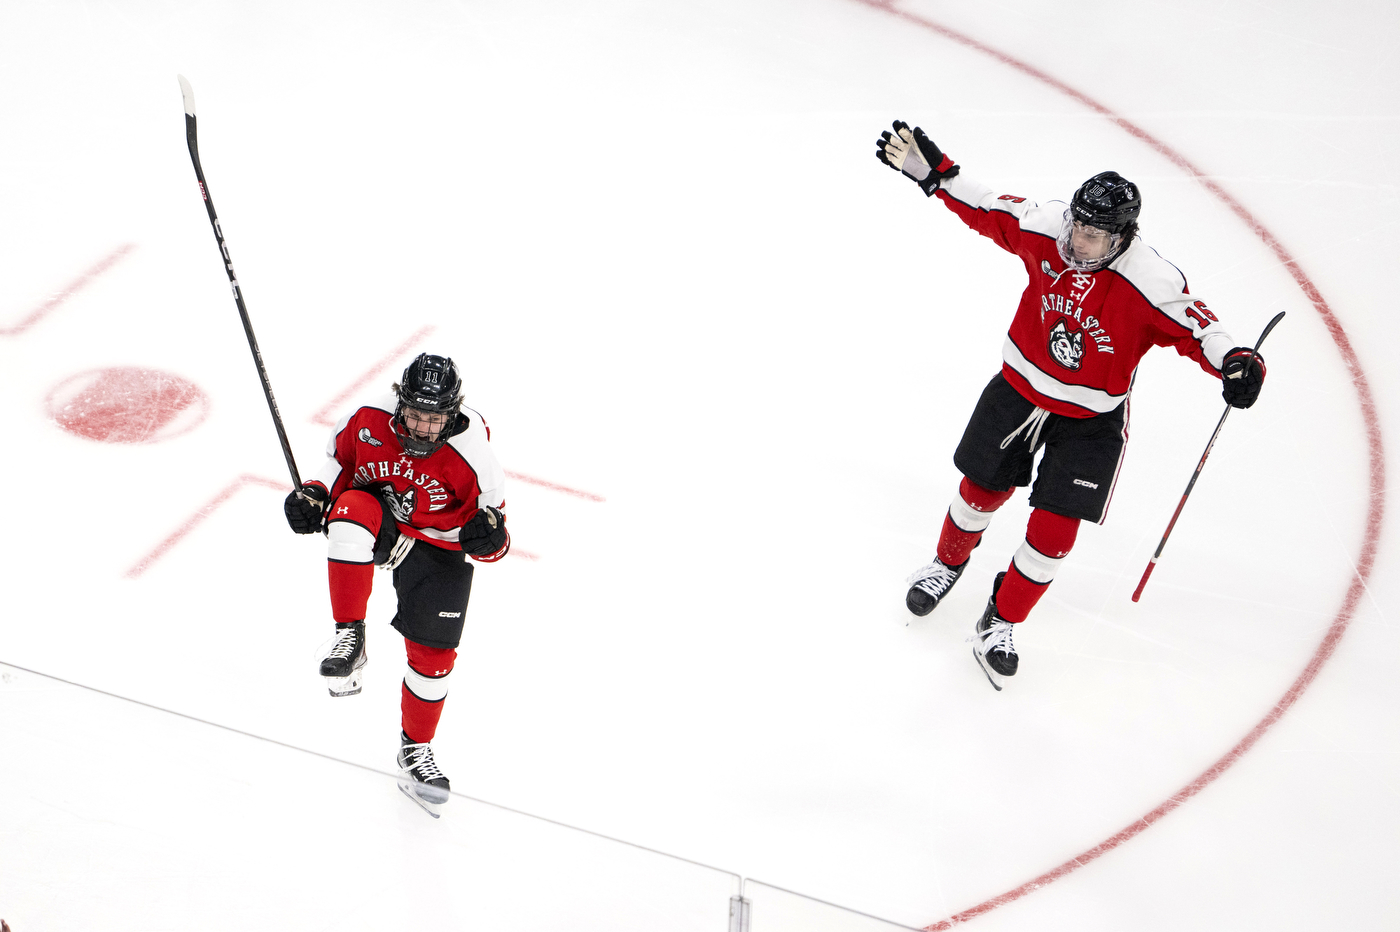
column 431, row 807
column 993, row 677
column 346, row 685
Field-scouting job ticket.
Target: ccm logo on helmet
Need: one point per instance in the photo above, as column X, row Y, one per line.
column 449, row 614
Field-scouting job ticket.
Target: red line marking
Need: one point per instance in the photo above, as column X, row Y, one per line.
column 76, row 285
column 1375, row 518
column 324, row 416
column 545, row 483
column 198, row 517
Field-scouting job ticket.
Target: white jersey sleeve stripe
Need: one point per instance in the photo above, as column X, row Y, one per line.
column 476, row 450
column 1031, row 217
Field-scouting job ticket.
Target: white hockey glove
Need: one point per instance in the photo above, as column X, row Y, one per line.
column 914, row 154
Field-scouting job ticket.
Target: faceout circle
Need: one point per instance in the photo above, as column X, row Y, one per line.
column 127, row 404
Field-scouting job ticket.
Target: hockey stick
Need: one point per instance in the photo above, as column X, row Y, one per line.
column 188, row 93
column 1152, row 564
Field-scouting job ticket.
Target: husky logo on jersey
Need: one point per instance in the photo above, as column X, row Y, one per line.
column 366, row 437
column 1065, row 348
column 402, row 504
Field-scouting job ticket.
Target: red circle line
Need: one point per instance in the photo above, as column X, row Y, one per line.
column 1374, row 519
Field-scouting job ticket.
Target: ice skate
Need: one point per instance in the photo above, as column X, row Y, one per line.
column 344, row 666
column 928, row 586
column 419, row 777
column 991, row 642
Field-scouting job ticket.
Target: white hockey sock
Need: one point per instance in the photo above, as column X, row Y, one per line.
column 1034, row 565
column 967, row 518
column 427, row 688
column 349, row 543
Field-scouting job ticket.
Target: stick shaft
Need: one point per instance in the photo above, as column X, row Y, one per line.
column 192, row 139
column 1152, row 564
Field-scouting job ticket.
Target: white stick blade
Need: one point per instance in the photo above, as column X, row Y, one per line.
column 187, row 92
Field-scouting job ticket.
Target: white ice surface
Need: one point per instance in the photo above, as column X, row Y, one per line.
column 656, row 238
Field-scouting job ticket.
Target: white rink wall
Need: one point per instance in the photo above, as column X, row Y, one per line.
column 676, row 278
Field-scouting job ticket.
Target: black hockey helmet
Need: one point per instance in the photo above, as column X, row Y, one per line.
column 1108, row 201
column 430, row 386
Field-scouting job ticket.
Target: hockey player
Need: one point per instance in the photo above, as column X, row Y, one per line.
column 410, row 485
column 1097, row 300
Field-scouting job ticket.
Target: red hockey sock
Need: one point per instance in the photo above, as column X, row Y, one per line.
column 425, row 689
column 354, row 521
column 1049, row 537
column 350, row 588
column 975, row 505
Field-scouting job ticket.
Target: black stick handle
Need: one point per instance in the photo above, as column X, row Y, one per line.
column 1152, row 564
column 188, row 93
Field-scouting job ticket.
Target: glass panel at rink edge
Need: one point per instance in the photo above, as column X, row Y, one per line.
column 773, row 909
column 121, row 817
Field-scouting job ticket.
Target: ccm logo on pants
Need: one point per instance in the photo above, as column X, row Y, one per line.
column 449, row 614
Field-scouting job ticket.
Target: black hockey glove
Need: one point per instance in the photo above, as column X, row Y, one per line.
column 914, row 154
column 485, row 533
column 306, row 509
column 1241, row 377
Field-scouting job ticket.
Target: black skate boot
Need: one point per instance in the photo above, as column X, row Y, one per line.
column 929, row 585
column 419, row 777
column 344, row 666
column 991, row 642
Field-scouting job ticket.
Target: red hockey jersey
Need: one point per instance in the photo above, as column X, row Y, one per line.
column 1077, row 337
column 431, row 497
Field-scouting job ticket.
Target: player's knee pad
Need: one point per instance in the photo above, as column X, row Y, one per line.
column 349, row 543
column 428, row 671
column 354, row 525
